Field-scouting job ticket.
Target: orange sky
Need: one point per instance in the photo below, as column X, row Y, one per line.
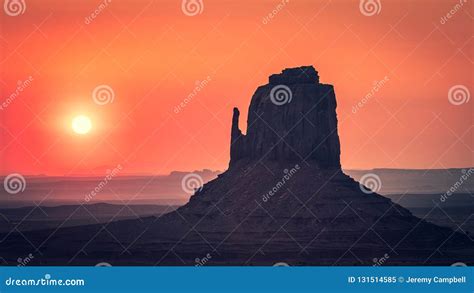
column 151, row 54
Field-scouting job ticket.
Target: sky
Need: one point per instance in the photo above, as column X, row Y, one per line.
column 403, row 77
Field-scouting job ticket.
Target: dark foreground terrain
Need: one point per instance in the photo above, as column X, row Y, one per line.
column 31, row 218
column 334, row 224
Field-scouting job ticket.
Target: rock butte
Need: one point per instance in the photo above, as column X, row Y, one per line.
column 302, row 129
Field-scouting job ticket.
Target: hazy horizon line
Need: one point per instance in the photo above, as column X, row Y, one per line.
column 138, row 174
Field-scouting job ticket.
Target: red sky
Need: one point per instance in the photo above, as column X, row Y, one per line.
column 151, row 54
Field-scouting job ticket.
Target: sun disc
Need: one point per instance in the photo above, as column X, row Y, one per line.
column 81, row 124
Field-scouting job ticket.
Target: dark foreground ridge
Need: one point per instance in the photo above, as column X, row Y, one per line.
column 284, row 198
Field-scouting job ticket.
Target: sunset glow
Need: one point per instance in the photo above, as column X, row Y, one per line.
column 163, row 83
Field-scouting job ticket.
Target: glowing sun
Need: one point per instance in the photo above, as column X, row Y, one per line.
column 81, row 124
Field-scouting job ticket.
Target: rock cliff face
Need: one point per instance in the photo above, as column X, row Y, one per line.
column 292, row 118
